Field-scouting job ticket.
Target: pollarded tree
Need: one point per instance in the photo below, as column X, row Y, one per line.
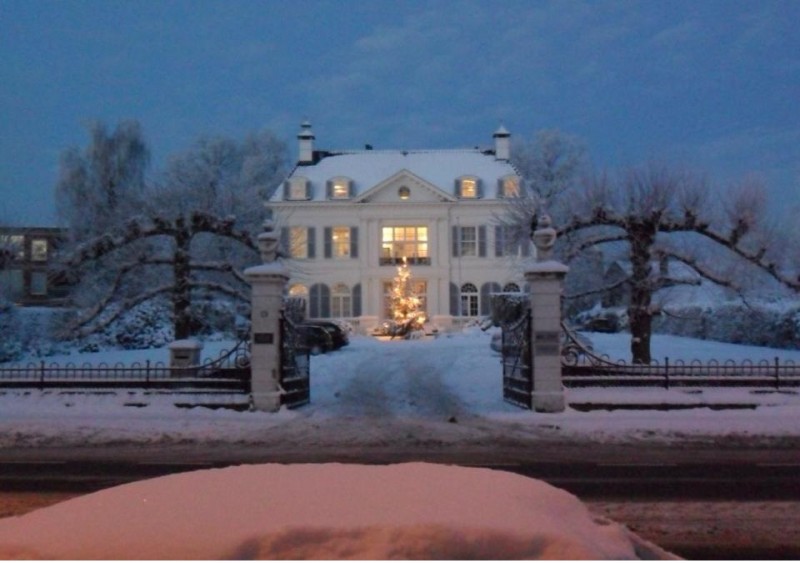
column 171, row 267
column 658, row 215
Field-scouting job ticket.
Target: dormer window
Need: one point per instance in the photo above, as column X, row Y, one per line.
column 509, row 186
column 468, row 187
column 297, row 189
column 340, row 188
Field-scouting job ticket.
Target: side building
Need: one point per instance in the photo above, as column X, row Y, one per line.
column 26, row 254
column 348, row 219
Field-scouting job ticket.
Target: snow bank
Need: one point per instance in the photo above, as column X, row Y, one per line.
column 330, row 511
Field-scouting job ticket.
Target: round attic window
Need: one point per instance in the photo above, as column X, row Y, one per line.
column 404, row 192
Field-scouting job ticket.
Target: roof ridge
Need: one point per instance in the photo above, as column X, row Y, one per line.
column 474, row 150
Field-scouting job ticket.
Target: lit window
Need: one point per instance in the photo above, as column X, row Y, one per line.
column 298, row 290
column 404, row 193
column 39, row 250
column 339, row 188
column 298, row 242
column 469, row 188
column 509, row 186
column 405, row 242
column 340, row 242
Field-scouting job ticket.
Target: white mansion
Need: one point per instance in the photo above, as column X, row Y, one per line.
column 349, row 218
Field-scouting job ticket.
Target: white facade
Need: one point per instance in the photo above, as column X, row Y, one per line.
column 348, row 218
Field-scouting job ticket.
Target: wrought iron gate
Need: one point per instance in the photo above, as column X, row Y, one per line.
column 513, row 314
column 295, row 381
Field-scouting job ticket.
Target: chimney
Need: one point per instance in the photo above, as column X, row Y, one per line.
column 306, row 141
column 502, row 144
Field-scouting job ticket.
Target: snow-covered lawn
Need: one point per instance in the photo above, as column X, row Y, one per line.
column 403, row 393
column 322, row 512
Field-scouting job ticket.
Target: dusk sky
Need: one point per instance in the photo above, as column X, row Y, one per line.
column 713, row 85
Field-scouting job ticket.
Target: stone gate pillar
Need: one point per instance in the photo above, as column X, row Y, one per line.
column 546, row 280
column 268, row 282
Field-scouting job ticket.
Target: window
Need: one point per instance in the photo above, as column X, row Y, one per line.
column 511, row 288
column 13, row 246
column 298, row 290
column 508, row 241
column 469, row 300
column 468, row 187
column 469, row 241
column 339, row 188
column 38, row 283
column 404, row 193
column 509, row 186
column 297, row 189
column 405, row 242
column 341, row 242
column 301, row 242
column 341, row 301
column 39, row 250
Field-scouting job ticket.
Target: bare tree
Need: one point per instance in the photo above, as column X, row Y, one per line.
column 657, row 214
column 173, row 266
column 100, row 186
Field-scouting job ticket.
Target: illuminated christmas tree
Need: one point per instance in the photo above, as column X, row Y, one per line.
column 405, row 305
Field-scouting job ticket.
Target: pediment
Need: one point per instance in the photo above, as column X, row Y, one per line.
column 391, row 189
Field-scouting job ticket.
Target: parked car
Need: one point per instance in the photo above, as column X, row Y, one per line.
column 315, row 338
column 602, row 324
column 338, row 334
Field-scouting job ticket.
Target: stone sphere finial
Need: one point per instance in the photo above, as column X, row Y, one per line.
column 544, row 238
column 268, row 242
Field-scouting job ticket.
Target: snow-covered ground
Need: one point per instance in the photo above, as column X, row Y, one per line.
column 322, row 512
column 403, row 393
column 397, row 396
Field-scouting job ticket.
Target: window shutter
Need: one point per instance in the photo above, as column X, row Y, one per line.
column 309, row 191
column 482, row 241
column 499, row 241
column 353, row 242
column 457, row 188
column 312, row 242
column 456, row 241
column 328, row 189
column 357, row 300
column 285, row 242
column 327, row 236
column 500, row 192
column 351, row 188
column 454, row 299
column 478, row 188
column 286, row 190
column 313, row 301
column 324, row 301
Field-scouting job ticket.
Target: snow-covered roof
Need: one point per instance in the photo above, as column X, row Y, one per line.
column 368, row 168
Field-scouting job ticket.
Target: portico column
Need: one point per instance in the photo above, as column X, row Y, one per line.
column 268, row 282
column 546, row 280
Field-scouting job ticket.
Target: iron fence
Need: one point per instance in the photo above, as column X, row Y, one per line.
column 229, row 372
column 581, row 367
